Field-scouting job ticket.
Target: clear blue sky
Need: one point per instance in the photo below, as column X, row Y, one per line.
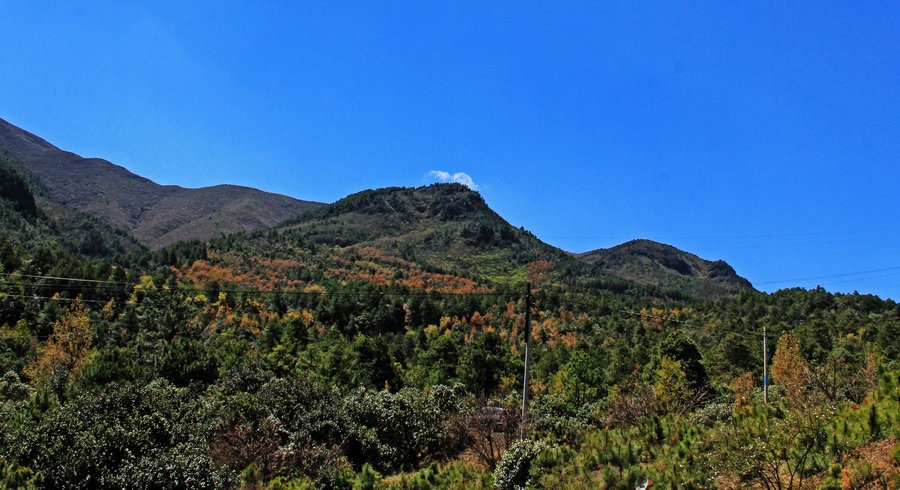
column 766, row 134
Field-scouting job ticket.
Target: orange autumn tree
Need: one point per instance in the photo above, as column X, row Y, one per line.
column 789, row 368
column 539, row 272
column 66, row 351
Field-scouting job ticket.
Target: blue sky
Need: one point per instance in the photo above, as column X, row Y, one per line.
column 766, row 134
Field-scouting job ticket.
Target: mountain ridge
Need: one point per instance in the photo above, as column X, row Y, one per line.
column 447, row 226
column 156, row 215
column 450, row 226
column 665, row 266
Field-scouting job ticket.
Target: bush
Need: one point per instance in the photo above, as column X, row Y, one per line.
column 513, row 470
column 405, row 429
column 135, row 436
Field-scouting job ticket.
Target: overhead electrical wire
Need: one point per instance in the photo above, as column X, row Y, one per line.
column 79, row 284
column 890, row 270
column 76, row 284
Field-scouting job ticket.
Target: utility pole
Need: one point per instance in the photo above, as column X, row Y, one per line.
column 765, row 368
column 527, row 360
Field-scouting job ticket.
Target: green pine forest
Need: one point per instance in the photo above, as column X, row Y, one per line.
column 379, row 342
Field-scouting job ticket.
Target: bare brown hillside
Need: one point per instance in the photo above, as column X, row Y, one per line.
column 156, row 215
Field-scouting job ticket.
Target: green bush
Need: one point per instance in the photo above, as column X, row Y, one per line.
column 514, row 469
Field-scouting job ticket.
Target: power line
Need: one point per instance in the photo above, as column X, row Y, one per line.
column 51, row 298
column 69, row 279
column 192, row 289
column 834, row 276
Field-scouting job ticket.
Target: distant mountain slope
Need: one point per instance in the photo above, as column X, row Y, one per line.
column 30, row 220
column 154, row 214
column 667, row 267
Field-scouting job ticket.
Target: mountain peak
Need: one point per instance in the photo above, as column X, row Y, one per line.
column 443, row 201
column 443, row 226
column 667, row 267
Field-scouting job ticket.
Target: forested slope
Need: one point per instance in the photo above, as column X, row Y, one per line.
column 288, row 358
column 32, row 220
column 667, row 267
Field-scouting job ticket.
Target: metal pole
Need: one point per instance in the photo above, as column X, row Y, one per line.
column 527, row 360
column 765, row 368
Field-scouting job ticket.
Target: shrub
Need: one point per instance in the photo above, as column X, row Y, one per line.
column 514, row 469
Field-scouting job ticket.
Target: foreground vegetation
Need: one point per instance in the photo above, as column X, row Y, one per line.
column 290, row 359
column 141, row 374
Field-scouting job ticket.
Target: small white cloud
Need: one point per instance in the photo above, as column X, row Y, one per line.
column 458, row 177
column 441, row 176
column 464, row 179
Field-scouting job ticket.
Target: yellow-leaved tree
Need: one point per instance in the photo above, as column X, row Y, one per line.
column 65, row 352
column 790, row 369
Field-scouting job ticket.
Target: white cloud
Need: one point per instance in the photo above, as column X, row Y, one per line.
column 458, row 177
column 441, row 176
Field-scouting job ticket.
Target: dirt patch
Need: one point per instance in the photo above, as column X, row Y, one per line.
column 868, row 467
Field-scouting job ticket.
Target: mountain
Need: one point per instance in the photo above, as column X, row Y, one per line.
column 440, row 228
column 32, row 220
column 156, row 215
column 438, row 238
column 450, row 227
column 667, row 267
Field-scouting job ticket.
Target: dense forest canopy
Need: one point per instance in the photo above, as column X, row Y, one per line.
column 347, row 350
